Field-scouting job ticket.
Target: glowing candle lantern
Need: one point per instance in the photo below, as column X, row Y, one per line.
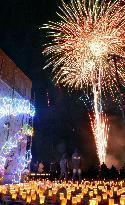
column 74, row 200
column 92, row 202
column 98, row 198
column 50, row 193
column 23, row 195
column 42, row 199
column 21, row 190
column 123, row 196
column 33, row 196
column 61, row 196
column 28, row 199
column 95, row 201
column 28, row 191
column 115, row 188
column 91, row 193
column 122, row 200
column 14, row 195
column 95, row 191
column 82, row 195
column 68, row 195
column 63, row 201
column 111, row 201
column 40, row 193
column 85, row 191
column 104, row 196
column 32, row 191
column 54, row 191
column 78, row 198
column 4, row 191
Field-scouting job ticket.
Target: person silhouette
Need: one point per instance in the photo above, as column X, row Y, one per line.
column 76, row 164
column 64, row 167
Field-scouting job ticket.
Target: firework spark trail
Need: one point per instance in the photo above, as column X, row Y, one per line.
column 100, row 128
column 100, row 131
column 82, row 52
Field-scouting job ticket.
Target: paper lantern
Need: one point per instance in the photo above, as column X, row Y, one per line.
column 91, row 193
column 24, row 195
column 78, row 198
column 50, row 193
column 54, row 191
column 28, row 199
column 98, row 198
column 68, row 195
column 14, row 195
column 92, row 202
column 61, row 196
column 33, row 197
column 104, row 196
column 42, row 199
column 111, row 201
column 63, row 201
column 74, row 200
column 122, row 200
column 95, row 191
column 40, row 193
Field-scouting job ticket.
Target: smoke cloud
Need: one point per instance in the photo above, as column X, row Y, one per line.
column 116, row 142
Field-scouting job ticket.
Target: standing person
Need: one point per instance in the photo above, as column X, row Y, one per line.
column 53, row 169
column 40, row 167
column 76, row 164
column 64, row 167
column 104, row 171
column 35, row 166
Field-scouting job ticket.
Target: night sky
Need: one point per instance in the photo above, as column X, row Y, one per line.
column 64, row 124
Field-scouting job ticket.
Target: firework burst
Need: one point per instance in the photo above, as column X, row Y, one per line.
column 88, row 49
column 85, row 42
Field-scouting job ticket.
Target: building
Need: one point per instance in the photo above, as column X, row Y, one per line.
column 16, row 114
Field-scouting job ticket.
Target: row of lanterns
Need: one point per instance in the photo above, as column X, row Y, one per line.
column 63, row 192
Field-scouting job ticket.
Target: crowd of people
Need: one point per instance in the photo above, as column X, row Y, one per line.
column 73, row 169
column 61, row 169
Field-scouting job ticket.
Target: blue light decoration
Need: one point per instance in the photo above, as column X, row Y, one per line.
column 2, row 163
column 23, row 161
column 14, row 107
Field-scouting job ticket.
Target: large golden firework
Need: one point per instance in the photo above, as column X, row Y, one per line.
column 86, row 42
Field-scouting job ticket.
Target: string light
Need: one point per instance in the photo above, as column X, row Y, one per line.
column 23, row 163
column 15, row 107
column 12, row 143
column 27, row 130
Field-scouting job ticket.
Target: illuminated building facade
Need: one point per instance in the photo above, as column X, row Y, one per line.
column 16, row 118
